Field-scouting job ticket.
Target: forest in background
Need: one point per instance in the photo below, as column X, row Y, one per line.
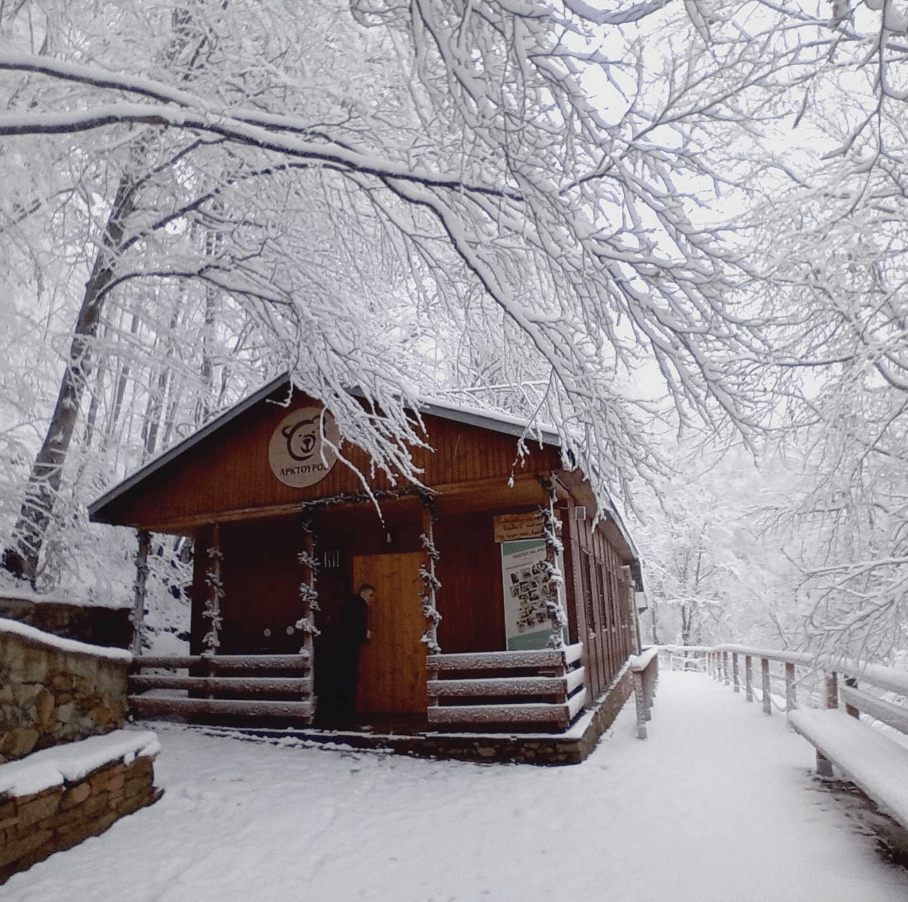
column 675, row 231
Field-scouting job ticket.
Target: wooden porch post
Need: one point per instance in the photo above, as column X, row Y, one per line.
column 309, row 599
column 137, row 617
column 212, row 612
column 553, row 546
column 431, row 585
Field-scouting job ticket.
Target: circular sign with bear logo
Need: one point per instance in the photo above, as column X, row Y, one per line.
column 298, row 453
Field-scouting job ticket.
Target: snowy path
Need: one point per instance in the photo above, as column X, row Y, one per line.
column 719, row 803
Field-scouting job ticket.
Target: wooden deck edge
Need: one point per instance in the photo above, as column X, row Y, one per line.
column 549, row 749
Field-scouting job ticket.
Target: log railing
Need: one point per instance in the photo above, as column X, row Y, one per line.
column 515, row 690
column 865, row 749
column 255, row 686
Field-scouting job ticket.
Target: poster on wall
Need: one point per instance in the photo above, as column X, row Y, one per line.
column 526, row 587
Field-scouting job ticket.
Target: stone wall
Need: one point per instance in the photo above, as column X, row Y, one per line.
column 87, row 623
column 34, row 826
column 55, row 690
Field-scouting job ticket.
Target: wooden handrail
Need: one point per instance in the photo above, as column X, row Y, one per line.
column 887, row 678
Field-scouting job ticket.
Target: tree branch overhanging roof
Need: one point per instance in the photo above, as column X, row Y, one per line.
column 484, row 419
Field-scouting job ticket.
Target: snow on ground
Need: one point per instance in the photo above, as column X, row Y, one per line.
column 719, row 803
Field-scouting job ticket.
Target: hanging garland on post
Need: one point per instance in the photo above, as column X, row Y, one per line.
column 431, row 583
column 553, row 548
column 137, row 615
column 212, row 612
column 308, row 593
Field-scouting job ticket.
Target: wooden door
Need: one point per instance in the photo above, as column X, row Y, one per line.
column 393, row 662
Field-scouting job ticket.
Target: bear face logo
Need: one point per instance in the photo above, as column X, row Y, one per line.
column 301, row 450
column 302, row 438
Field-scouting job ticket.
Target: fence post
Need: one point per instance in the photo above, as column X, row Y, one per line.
column 824, row 765
column 764, row 671
column 850, row 709
column 748, row 678
column 791, row 698
column 735, row 673
column 641, row 705
column 725, row 666
column 649, row 689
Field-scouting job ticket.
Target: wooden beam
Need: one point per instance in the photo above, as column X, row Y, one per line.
column 517, row 686
column 230, row 707
column 456, row 495
column 894, row 715
column 518, row 715
column 224, row 662
column 247, row 685
column 497, row 660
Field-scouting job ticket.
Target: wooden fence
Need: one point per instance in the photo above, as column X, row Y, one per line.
column 519, row 690
column 263, row 686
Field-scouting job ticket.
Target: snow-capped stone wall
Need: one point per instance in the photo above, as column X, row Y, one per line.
column 55, row 690
column 56, row 798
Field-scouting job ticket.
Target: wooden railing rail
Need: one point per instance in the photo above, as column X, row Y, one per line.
column 517, row 690
column 263, row 686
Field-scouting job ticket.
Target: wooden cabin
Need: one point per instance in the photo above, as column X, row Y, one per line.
column 468, row 630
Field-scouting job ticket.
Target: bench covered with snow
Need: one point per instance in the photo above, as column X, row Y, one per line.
column 874, row 763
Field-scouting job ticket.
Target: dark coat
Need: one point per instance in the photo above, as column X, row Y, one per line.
column 352, row 629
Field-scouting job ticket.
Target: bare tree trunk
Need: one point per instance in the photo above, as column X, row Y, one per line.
column 21, row 558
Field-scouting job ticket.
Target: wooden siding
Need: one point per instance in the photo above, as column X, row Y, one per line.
column 470, row 598
column 227, row 476
column 600, row 591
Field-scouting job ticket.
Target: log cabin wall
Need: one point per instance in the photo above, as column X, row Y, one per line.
column 600, row 591
column 261, row 575
column 227, row 476
column 470, row 598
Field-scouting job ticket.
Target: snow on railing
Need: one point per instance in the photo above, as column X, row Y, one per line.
column 269, row 686
column 520, row 690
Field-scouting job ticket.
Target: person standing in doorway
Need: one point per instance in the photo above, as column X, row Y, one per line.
column 352, row 633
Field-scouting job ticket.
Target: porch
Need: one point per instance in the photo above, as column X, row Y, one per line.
column 493, row 706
